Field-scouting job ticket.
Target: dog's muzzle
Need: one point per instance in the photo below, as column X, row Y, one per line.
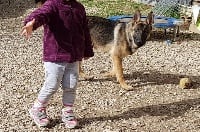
column 139, row 43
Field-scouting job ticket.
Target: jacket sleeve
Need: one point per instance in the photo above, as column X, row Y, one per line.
column 41, row 15
column 88, row 43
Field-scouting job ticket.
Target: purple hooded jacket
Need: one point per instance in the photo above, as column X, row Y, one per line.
column 66, row 34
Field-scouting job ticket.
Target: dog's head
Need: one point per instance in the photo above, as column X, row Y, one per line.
column 139, row 31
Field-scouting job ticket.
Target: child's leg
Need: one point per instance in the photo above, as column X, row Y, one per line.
column 53, row 76
column 69, row 84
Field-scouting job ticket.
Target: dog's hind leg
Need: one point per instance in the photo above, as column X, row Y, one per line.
column 110, row 73
column 118, row 70
column 82, row 73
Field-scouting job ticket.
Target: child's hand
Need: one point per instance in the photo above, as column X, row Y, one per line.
column 28, row 29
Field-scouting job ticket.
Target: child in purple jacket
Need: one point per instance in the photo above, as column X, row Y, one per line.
column 66, row 41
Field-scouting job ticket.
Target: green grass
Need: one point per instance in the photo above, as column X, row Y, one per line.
column 107, row 8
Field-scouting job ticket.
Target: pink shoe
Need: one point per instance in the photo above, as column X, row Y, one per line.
column 39, row 116
column 68, row 118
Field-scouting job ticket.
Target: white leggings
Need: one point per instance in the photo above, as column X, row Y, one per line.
column 56, row 74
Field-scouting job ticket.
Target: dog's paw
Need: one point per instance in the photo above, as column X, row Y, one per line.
column 127, row 87
column 108, row 74
column 89, row 77
column 86, row 77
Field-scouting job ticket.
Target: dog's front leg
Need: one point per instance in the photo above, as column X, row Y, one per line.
column 118, row 69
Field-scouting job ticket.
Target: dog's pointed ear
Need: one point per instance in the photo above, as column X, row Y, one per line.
column 150, row 18
column 136, row 16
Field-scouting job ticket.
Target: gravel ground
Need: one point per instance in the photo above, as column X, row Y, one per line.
column 156, row 104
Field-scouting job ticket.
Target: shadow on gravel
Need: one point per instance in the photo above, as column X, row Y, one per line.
column 14, row 8
column 151, row 78
column 166, row 111
column 157, row 78
column 54, row 122
column 160, row 36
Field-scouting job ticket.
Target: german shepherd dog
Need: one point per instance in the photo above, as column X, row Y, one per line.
column 119, row 39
